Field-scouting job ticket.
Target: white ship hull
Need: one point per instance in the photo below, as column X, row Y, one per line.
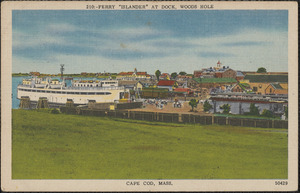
column 79, row 96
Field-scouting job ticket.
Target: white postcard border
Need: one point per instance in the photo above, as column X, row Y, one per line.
column 7, row 184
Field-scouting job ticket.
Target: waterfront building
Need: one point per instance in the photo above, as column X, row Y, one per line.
column 218, row 71
column 274, row 88
column 241, row 87
column 169, row 84
column 240, row 102
column 135, row 75
column 239, row 75
column 184, row 77
column 225, row 72
column 210, row 82
column 131, row 84
column 260, row 82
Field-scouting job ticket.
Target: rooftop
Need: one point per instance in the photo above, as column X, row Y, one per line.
column 266, row 78
column 214, row 80
column 166, row 83
column 276, row 86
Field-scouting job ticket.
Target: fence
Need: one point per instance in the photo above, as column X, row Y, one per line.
column 178, row 118
column 106, row 106
column 190, row 118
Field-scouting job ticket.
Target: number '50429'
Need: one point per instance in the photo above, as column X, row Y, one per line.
column 282, row 183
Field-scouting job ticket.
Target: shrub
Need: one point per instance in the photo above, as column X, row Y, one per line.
column 55, row 111
column 207, row 106
column 253, row 109
column 267, row 113
column 286, row 112
column 226, row 108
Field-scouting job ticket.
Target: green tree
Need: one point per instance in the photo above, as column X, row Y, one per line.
column 267, row 113
column 193, row 103
column 157, row 74
column 174, row 75
column 207, row 106
column 261, row 70
column 182, row 73
column 286, row 112
column 226, row 108
column 253, row 109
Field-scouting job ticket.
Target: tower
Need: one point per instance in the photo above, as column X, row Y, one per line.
column 62, row 70
column 219, row 64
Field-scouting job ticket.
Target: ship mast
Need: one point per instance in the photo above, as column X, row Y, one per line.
column 62, row 71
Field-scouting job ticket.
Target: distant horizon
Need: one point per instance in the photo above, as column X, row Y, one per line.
column 141, row 71
column 171, row 41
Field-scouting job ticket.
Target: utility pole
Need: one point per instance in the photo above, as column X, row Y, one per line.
column 62, row 70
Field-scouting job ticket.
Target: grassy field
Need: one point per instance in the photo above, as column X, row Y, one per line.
column 59, row 146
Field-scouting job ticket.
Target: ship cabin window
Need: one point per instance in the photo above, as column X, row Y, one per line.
column 48, row 91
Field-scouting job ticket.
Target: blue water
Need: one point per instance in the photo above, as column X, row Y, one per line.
column 15, row 82
column 18, row 80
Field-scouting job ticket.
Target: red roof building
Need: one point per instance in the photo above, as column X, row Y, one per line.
column 133, row 75
column 166, row 83
column 141, row 73
column 169, row 84
column 185, row 90
column 164, row 76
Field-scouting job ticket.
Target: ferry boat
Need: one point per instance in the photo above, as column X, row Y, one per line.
column 80, row 91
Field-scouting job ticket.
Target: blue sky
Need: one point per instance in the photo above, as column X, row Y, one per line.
column 172, row 41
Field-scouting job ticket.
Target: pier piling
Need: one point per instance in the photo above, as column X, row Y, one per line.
column 70, row 103
column 25, row 102
column 42, row 103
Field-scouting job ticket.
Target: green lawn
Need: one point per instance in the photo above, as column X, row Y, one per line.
column 59, row 146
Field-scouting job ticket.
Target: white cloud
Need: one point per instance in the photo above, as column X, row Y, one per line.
column 61, row 27
column 134, row 32
column 269, row 50
column 23, row 40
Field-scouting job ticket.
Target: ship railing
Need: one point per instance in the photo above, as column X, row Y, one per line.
column 24, row 85
column 81, row 88
column 95, row 88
